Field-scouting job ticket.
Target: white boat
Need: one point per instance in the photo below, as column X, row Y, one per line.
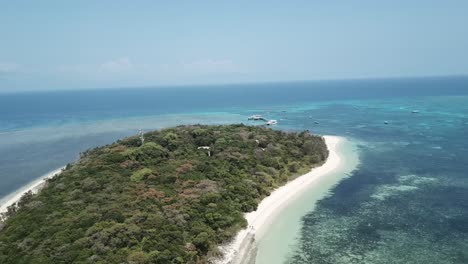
column 256, row 117
column 271, row 122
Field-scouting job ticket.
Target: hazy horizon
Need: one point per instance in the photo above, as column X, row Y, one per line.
column 238, row 84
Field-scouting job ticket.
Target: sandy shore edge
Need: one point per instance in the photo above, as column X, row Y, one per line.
column 270, row 206
column 34, row 186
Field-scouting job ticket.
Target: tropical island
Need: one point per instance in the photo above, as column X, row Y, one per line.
column 172, row 196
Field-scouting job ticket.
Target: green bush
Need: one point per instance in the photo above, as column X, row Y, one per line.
column 139, row 175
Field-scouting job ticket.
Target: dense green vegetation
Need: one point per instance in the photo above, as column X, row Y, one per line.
column 165, row 201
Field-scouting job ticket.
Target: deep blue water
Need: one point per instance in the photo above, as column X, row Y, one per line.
column 26, row 110
column 406, row 203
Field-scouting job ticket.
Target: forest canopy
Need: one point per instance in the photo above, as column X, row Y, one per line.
column 165, row 201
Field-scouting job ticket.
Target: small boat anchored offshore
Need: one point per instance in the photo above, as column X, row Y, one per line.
column 271, row 122
column 415, row 111
column 256, row 118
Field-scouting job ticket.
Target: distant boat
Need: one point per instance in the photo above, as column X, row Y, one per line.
column 415, row 111
column 256, row 117
column 316, row 122
column 271, row 122
column 386, row 122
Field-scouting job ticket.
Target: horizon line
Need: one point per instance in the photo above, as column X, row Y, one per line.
column 261, row 82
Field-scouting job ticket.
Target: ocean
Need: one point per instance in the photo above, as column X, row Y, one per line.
column 406, row 202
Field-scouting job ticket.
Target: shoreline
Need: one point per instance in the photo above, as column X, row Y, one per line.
column 34, row 186
column 238, row 249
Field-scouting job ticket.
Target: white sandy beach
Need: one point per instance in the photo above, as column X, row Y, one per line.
column 259, row 220
column 33, row 186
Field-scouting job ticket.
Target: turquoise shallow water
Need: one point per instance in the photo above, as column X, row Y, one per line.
column 407, row 202
column 279, row 242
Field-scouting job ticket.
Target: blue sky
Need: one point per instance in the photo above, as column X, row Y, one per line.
column 51, row 45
